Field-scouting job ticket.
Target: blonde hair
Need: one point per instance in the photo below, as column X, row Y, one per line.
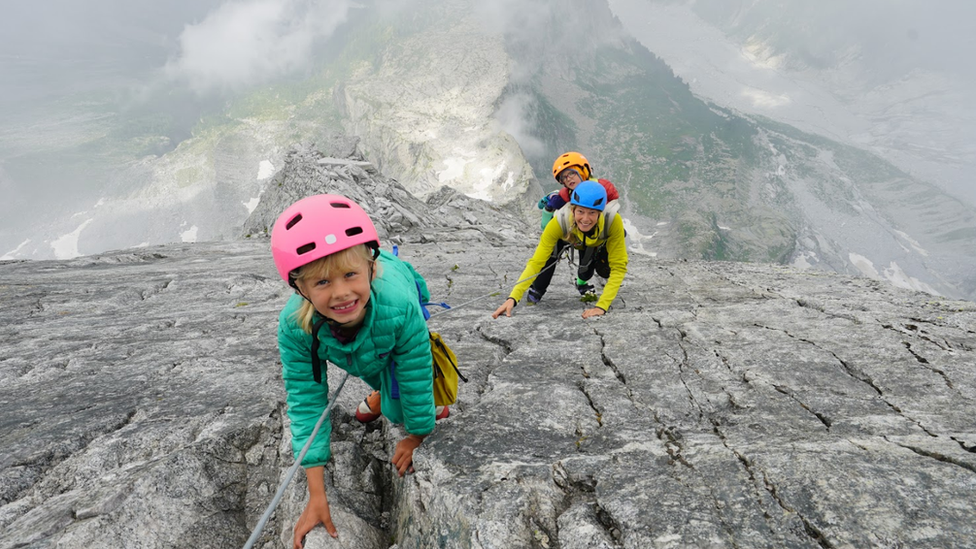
column 342, row 261
column 569, row 235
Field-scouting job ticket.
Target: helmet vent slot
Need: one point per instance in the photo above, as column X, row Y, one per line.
column 339, row 205
column 306, row 248
column 353, row 231
column 293, row 221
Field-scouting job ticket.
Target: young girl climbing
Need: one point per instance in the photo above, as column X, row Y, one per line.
column 358, row 308
column 600, row 240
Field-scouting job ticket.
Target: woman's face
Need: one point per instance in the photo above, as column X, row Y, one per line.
column 570, row 178
column 341, row 296
column 586, row 218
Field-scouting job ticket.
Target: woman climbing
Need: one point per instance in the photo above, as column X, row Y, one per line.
column 570, row 169
column 596, row 232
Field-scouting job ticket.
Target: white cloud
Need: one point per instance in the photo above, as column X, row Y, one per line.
column 243, row 43
column 514, row 115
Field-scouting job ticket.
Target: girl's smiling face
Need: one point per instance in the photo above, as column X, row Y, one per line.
column 340, row 294
column 586, row 218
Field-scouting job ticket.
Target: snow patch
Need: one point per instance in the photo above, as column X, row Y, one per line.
column 900, row 279
column 265, row 170
column 509, row 181
column 800, row 261
column 454, row 169
column 12, row 254
column 66, row 247
column 252, row 203
column 637, row 239
column 893, row 274
column 486, row 177
column 863, row 265
column 914, row 243
column 189, row 235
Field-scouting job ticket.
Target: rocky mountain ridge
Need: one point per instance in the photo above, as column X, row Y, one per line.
column 718, row 404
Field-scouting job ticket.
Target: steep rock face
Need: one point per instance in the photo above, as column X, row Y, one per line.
column 397, row 214
column 425, row 111
column 717, row 404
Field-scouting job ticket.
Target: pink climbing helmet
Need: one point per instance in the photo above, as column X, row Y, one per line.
column 317, row 226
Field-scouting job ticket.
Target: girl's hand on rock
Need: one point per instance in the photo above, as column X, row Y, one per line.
column 403, row 455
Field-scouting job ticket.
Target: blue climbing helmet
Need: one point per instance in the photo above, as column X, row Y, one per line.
column 589, row 194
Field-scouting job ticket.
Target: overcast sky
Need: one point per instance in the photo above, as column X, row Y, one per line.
column 893, row 35
column 206, row 45
column 222, row 45
column 56, row 47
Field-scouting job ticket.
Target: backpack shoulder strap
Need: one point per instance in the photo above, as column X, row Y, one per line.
column 608, row 214
column 316, row 363
column 562, row 216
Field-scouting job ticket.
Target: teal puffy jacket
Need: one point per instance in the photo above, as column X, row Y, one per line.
column 391, row 353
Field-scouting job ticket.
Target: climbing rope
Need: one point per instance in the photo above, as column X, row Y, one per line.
column 291, row 472
column 495, row 293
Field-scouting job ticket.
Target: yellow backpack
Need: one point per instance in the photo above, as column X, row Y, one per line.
column 446, row 373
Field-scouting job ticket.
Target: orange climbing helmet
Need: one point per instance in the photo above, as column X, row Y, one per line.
column 570, row 160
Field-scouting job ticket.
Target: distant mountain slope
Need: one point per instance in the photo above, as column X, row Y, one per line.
column 895, row 78
column 482, row 96
column 717, row 184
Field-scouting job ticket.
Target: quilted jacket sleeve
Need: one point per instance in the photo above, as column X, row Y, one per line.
column 306, row 398
column 414, row 372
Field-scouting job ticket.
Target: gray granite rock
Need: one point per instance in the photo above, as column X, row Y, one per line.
column 716, row 405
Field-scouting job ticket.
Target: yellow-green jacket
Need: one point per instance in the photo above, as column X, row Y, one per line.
column 616, row 254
